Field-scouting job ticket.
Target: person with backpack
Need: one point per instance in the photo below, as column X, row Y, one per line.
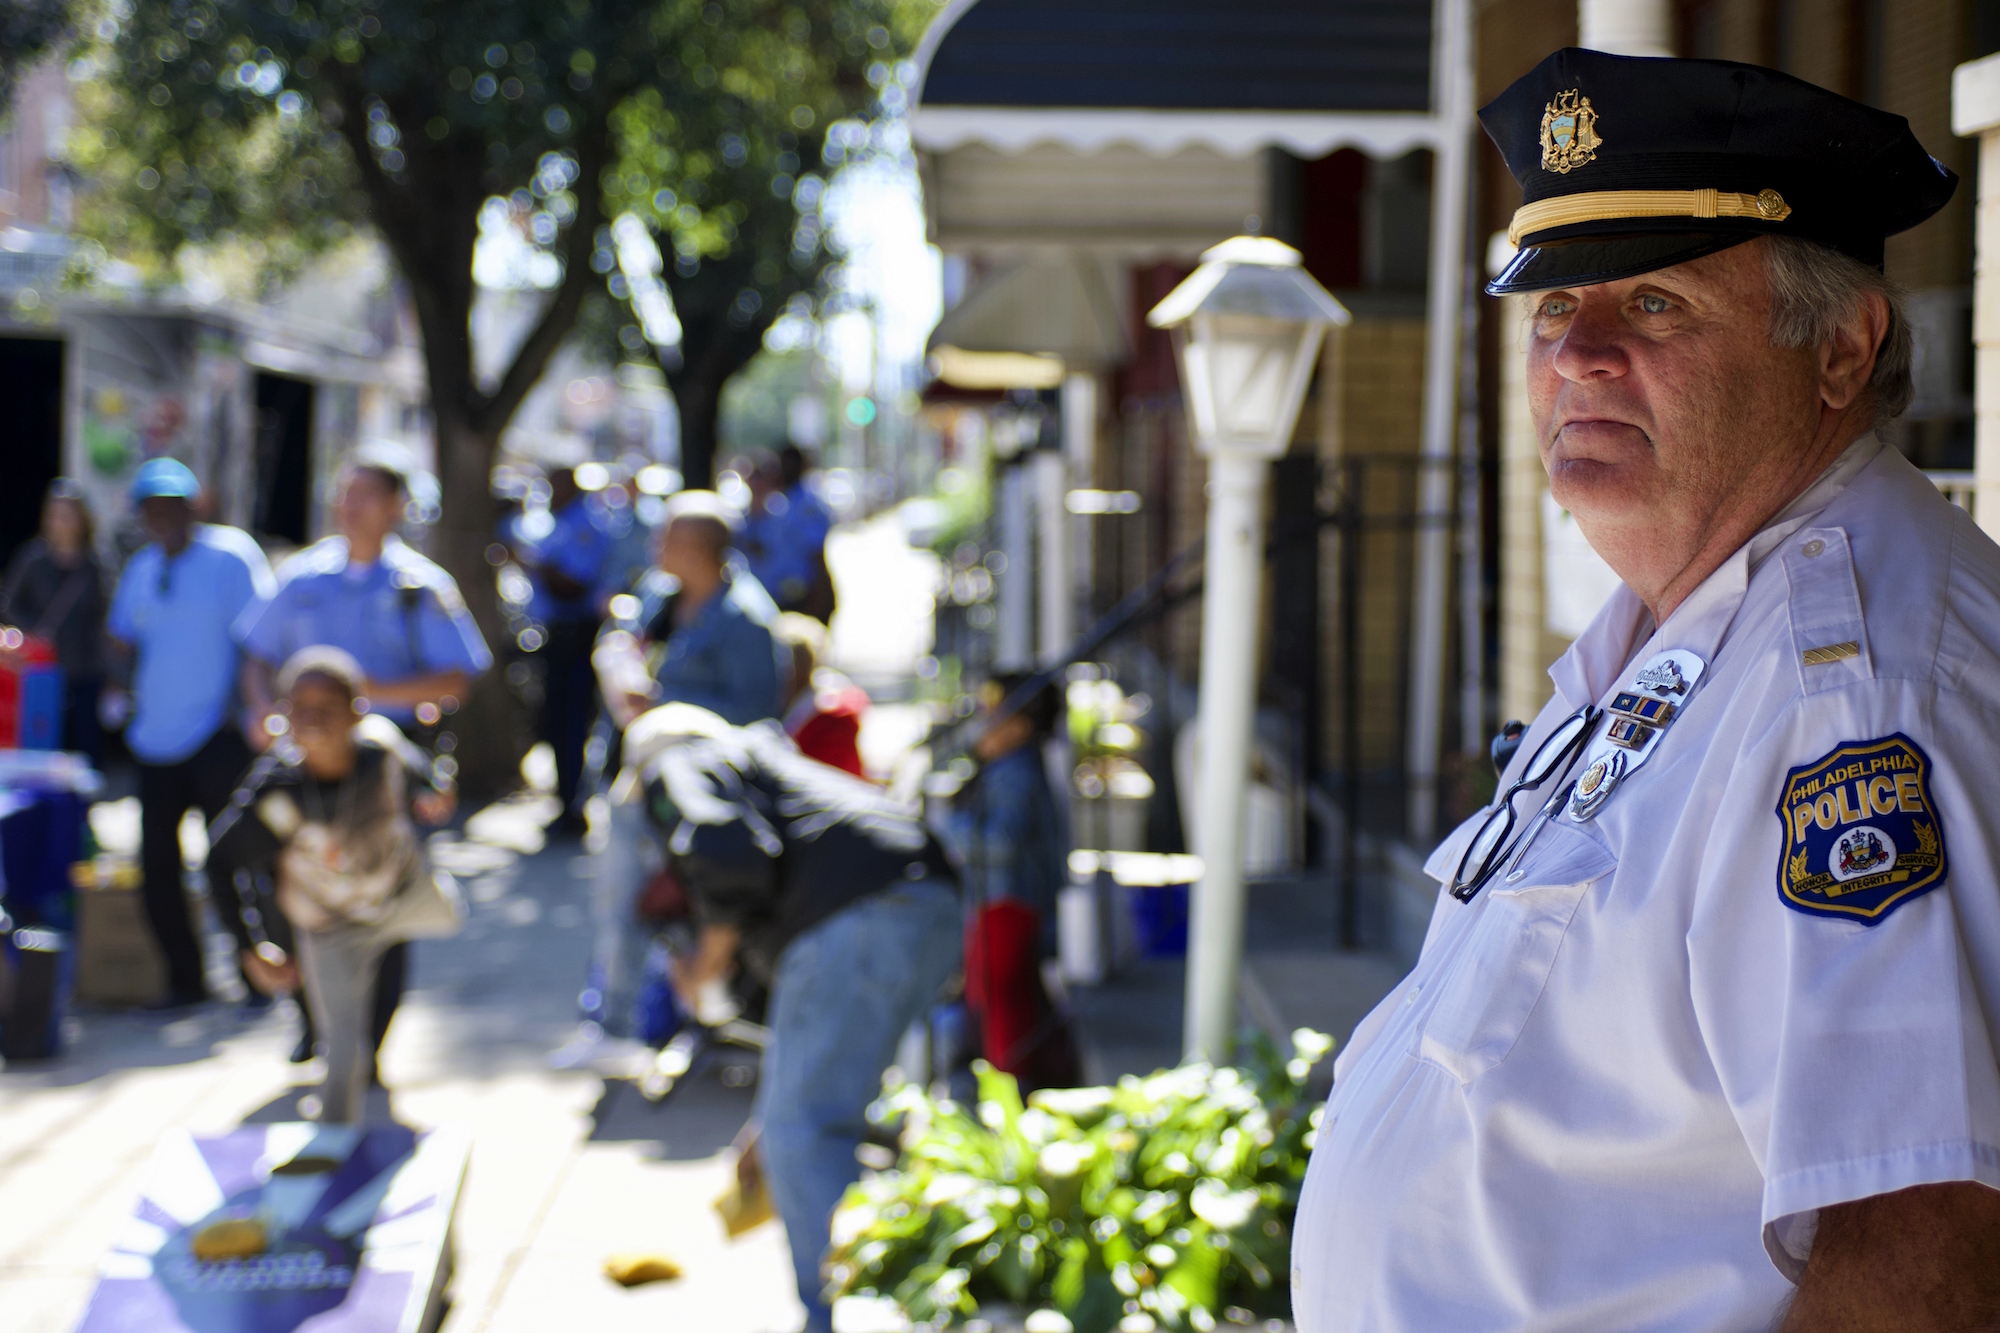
column 815, row 885
column 328, row 819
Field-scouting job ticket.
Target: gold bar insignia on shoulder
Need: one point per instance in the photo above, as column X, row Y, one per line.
column 1832, row 652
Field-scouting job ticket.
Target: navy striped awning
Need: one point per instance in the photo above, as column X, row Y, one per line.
column 1181, row 55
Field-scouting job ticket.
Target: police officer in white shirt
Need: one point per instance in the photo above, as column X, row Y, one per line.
column 1703, row 1035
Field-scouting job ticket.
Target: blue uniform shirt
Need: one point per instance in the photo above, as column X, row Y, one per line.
column 630, row 555
column 785, row 540
column 577, row 542
column 400, row 616
column 724, row 659
column 179, row 616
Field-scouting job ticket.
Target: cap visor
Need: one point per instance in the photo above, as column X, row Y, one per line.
column 1594, row 259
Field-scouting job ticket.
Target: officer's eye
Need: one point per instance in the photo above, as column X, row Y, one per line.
column 1653, row 305
column 1555, row 307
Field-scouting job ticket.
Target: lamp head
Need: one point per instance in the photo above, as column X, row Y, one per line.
column 1247, row 327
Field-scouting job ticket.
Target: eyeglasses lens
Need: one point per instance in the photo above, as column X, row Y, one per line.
column 1482, row 852
column 1553, row 750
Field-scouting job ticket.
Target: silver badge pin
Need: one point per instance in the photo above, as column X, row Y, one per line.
column 1638, row 715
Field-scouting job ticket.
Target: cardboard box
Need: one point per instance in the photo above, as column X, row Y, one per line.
column 117, row 961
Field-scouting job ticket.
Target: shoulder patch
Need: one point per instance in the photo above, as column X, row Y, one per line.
column 1861, row 837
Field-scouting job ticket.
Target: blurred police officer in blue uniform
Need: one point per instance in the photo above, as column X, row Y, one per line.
column 176, row 605
column 635, row 540
column 368, row 593
column 784, row 536
column 398, row 614
column 565, row 563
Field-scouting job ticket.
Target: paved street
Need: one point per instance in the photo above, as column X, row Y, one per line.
column 561, row 1174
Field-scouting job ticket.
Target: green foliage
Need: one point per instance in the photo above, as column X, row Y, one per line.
column 284, row 122
column 280, row 188
column 1171, row 1195
column 275, row 127
column 29, row 29
column 967, row 496
column 756, row 405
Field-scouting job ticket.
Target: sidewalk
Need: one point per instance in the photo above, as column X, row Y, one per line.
column 562, row 1174
column 1293, row 976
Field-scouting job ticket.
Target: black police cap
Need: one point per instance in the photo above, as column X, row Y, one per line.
column 1630, row 164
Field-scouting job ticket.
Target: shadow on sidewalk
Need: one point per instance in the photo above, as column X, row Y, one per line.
column 696, row 1121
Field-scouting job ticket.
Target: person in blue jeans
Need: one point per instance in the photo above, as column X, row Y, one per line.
column 817, row 885
column 701, row 636
column 175, row 608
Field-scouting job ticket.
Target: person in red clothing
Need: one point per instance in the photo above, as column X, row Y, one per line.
column 1010, row 834
column 824, row 715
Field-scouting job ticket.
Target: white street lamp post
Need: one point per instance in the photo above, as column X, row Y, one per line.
column 1247, row 329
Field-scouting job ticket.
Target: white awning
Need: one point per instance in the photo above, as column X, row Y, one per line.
column 1055, row 307
column 1307, row 134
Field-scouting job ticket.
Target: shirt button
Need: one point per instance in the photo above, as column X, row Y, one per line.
column 1813, row 547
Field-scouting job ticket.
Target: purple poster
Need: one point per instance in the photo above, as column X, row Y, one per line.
column 290, row 1228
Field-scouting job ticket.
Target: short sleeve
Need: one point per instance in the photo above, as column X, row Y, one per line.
column 122, row 620
column 249, row 578
column 260, row 628
column 262, row 584
column 1845, row 927
column 450, row 639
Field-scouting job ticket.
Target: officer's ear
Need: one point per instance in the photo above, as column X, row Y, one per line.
column 1847, row 359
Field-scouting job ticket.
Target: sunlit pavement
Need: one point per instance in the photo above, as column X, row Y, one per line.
column 562, row 1174
column 882, row 621
column 882, row 626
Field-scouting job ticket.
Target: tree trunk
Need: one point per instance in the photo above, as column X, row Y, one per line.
column 429, row 220
column 493, row 727
column 700, row 406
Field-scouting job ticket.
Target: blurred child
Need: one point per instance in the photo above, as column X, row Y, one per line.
column 352, row 878
column 1010, row 834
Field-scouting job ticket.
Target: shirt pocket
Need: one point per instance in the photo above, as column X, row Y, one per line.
column 1494, row 979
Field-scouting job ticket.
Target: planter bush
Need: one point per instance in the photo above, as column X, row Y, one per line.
column 1164, row 1202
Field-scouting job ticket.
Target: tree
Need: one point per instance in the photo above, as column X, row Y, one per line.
column 280, row 125
column 729, row 168
column 29, row 29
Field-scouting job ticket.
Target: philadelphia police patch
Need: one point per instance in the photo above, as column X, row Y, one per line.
column 1861, row 835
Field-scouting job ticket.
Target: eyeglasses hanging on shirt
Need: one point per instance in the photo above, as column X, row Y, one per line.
column 1489, row 847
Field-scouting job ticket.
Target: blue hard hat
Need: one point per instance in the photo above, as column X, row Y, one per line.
column 164, row 476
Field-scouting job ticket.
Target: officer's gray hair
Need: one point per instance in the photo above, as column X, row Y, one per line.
column 1815, row 289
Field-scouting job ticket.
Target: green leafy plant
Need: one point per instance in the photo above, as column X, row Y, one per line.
column 1167, row 1198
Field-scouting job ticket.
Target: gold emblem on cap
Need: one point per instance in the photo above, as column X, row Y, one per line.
column 1771, row 206
column 1569, row 132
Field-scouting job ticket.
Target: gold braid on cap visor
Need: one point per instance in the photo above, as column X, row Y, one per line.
column 1608, row 205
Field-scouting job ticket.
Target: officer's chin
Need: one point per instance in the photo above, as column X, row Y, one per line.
column 1599, row 491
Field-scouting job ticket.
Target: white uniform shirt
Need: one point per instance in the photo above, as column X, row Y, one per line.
column 1615, row 1091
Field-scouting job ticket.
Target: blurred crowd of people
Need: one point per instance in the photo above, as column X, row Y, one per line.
column 698, row 734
